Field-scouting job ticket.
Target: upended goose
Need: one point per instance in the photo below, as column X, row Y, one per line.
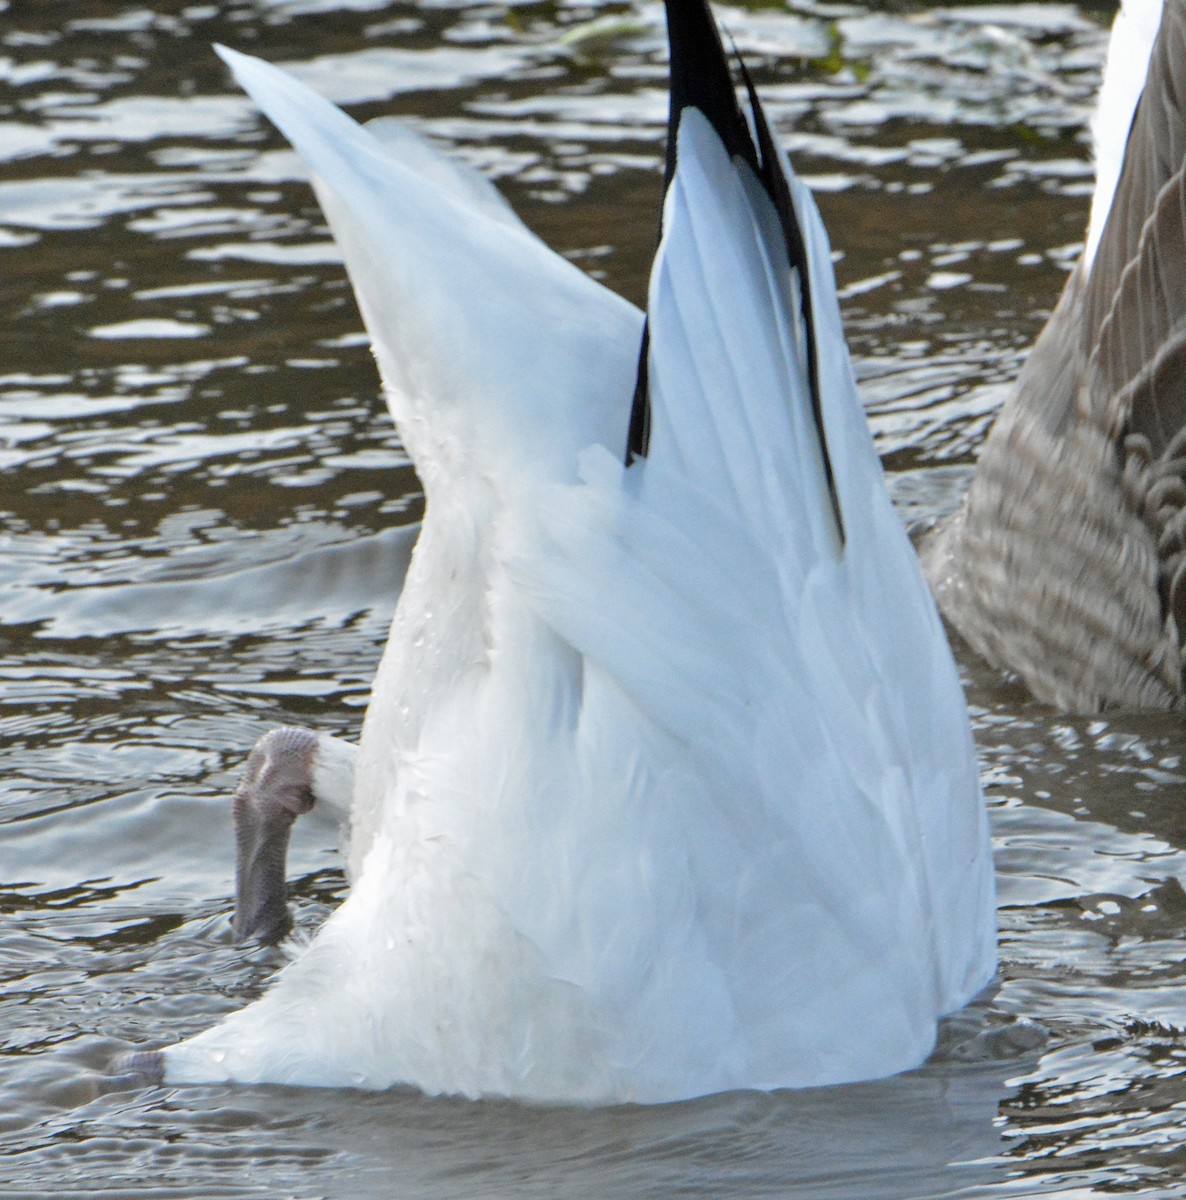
column 1066, row 562
column 667, row 785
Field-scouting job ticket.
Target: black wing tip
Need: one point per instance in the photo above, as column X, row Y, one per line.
column 701, row 79
column 638, row 440
column 775, row 184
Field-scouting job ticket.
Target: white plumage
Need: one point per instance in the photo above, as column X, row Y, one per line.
column 666, row 786
column 1133, row 33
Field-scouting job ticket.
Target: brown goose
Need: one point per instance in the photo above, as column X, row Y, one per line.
column 1066, row 562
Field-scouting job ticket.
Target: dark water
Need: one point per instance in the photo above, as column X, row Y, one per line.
column 201, row 513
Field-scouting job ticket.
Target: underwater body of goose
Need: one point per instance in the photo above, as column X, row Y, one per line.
column 666, row 786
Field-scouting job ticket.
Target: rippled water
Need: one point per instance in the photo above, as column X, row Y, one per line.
column 204, row 517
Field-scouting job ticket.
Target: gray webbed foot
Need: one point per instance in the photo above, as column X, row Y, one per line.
column 276, row 788
column 139, row 1069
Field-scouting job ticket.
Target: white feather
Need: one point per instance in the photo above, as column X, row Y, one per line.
column 663, row 789
column 332, row 777
column 1133, row 34
column 465, row 186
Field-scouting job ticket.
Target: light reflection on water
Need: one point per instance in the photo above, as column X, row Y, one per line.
column 200, row 536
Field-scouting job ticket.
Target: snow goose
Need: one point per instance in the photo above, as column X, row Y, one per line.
column 667, row 784
column 1066, row 562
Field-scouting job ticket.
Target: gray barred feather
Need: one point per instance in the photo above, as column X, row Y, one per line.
column 1066, row 563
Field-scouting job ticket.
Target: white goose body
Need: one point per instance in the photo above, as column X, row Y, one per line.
column 667, row 785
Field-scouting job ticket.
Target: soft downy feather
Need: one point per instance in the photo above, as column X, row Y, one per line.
column 667, row 785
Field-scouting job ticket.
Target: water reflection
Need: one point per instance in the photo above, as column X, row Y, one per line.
column 201, row 505
column 927, row 1133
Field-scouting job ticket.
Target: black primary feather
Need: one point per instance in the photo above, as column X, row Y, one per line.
column 700, row 78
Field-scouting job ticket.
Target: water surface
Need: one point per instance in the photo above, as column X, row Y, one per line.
column 204, row 516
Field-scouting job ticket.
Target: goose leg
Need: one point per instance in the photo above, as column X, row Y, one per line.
column 289, row 771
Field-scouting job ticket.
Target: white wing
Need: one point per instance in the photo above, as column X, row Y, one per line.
column 811, row 681
column 462, row 304
column 666, row 786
